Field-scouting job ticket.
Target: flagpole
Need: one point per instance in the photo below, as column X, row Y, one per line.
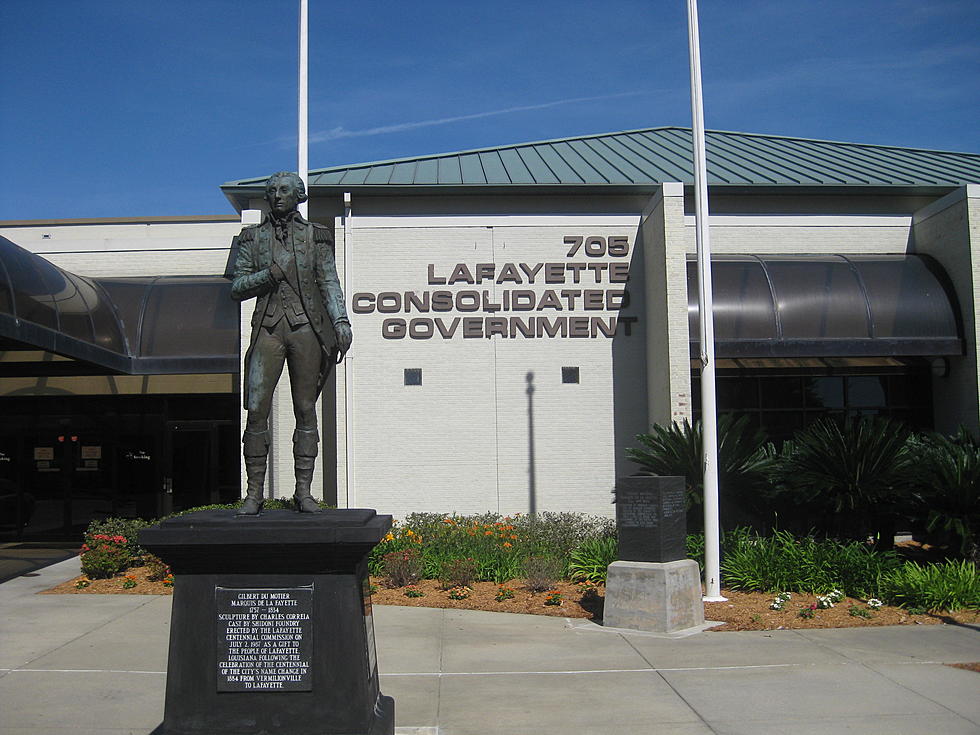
column 709, row 413
column 303, row 138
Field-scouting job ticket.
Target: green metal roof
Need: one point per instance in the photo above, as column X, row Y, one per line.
column 654, row 155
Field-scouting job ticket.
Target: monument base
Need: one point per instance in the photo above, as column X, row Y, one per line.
column 659, row 597
column 272, row 628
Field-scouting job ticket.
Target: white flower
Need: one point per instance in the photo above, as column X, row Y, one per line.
column 874, row 603
column 836, row 595
column 824, row 602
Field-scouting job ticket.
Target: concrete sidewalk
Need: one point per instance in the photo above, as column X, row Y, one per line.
column 87, row 664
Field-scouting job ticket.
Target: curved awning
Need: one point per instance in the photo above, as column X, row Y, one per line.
column 151, row 325
column 828, row 305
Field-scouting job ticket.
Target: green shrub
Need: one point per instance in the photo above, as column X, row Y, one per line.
column 745, row 460
column 853, row 478
column 694, row 546
column 105, row 557
column 951, row 586
column 127, row 528
column 403, row 567
column 781, row 562
column 156, row 568
column 458, row 573
column 497, row 544
column 948, row 475
column 591, row 558
column 541, row 572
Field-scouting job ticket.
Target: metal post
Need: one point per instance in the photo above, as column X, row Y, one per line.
column 709, row 415
column 302, row 167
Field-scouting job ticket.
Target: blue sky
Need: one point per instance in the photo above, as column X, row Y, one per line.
column 113, row 108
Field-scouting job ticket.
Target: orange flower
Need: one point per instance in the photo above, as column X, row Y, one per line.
column 513, row 535
column 488, row 533
column 507, row 544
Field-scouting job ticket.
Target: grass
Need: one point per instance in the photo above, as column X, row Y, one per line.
column 783, row 561
column 954, row 585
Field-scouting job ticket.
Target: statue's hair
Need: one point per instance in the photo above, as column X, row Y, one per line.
column 293, row 177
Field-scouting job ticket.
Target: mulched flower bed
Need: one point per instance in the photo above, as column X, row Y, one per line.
column 742, row 610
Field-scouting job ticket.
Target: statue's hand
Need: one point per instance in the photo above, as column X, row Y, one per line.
column 277, row 273
column 344, row 337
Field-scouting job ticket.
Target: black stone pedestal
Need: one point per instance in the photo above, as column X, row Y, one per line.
column 271, row 630
column 651, row 518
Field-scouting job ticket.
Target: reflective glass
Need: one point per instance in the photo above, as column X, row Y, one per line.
column 907, row 300
column 127, row 296
column 818, row 298
column 737, row 393
column 743, row 307
column 866, row 390
column 824, row 392
column 73, row 310
column 190, row 317
column 781, row 425
column 781, row 393
column 32, row 290
column 108, row 330
column 6, row 294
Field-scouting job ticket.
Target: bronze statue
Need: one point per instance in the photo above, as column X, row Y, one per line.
column 287, row 263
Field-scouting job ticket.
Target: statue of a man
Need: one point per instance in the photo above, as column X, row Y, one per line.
column 287, row 263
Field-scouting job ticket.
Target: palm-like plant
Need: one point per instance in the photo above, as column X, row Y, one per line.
column 949, row 486
column 858, row 472
column 744, row 458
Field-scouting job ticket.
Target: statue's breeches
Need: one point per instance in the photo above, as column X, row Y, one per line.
column 299, row 349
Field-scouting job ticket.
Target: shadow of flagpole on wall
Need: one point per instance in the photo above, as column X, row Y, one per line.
column 531, row 479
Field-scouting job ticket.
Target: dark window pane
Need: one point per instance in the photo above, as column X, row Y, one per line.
column 781, row 425
column 736, row 393
column 413, row 376
column 781, row 392
column 824, row 392
column 906, row 390
column 866, row 390
column 569, row 375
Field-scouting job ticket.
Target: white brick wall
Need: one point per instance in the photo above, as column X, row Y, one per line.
column 462, row 441
column 949, row 231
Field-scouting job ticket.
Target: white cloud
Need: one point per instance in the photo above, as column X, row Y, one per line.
column 341, row 132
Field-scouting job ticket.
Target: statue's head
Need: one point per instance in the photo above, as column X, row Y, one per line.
column 283, row 191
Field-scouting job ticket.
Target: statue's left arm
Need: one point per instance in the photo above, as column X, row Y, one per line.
column 329, row 283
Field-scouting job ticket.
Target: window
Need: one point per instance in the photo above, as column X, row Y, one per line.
column 413, row 376
column 569, row 375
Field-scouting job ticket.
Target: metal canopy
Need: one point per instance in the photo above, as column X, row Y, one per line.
column 828, row 305
column 152, row 325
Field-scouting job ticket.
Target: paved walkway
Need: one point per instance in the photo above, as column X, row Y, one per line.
column 96, row 664
column 23, row 557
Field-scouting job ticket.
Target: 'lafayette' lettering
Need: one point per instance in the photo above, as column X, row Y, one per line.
column 527, row 273
column 496, row 303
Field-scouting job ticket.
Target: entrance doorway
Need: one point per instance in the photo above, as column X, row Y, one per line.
column 203, row 466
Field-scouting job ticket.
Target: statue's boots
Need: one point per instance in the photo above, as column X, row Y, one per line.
column 255, row 448
column 304, row 459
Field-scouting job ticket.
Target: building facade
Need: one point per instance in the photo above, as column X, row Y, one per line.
column 521, row 313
